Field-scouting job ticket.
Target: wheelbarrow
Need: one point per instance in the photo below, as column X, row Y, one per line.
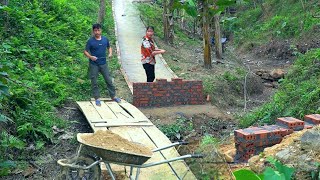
column 87, row 167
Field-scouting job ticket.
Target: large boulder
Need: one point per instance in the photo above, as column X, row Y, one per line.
column 273, row 75
column 311, row 139
column 299, row 149
column 277, row 74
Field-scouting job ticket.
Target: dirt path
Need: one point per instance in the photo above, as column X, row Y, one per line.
column 167, row 114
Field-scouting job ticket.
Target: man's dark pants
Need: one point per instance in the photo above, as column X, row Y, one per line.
column 94, row 72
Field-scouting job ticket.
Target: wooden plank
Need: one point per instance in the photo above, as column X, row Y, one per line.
column 135, row 112
column 147, row 135
column 119, row 112
column 116, row 120
column 161, row 140
column 88, row 110
column 122, row 124
column 136, row 134
column 105, row 113
column 90, row 113
column 102, row 99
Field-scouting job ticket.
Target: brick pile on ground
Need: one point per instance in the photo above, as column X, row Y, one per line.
column 251, row 141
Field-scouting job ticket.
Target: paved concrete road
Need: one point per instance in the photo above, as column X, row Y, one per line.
column 129, row 31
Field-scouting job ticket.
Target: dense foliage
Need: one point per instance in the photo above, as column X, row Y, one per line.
column 279, row 172
column 259, row 22
column 42, row 64
column 294, row 20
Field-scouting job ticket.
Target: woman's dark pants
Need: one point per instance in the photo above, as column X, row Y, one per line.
column 149, row 68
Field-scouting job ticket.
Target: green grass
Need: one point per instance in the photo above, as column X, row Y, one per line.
column 286, row 19
column 41, row 49
column 151, row 15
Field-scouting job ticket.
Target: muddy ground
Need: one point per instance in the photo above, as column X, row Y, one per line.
column 215, row 118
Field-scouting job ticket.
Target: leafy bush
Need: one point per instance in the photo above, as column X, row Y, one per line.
column 42, row 63
column 208, row 85
column 279, row 172
column 176, row 130
column 5, row 167
column 245, row 174
column 208, row 139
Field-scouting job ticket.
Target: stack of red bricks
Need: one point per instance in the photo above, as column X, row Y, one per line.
column 251, row 141
column 167, row 93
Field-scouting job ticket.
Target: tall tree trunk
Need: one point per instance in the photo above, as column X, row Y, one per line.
column 194, row 27
column 182, row 21
column 205, row 30
column 168, row 21
column 5, row 2
column 102, row 11
column 217, row 37
column 171, row 25
column 5, row 15
column 165, row 20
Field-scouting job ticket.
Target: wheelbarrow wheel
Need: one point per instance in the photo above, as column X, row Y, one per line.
column 69, row 173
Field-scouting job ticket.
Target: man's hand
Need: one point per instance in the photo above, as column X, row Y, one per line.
column 93, row 58
column 110, row 52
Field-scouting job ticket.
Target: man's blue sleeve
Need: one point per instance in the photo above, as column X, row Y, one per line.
column 88, row 46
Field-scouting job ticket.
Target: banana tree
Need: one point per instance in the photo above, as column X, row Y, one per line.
column 206, row 9
column 197, row 8
column 213, row 8
column 169, row 6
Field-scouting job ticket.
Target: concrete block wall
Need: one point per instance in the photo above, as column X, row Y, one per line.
column 251, row 141
column 167, row 93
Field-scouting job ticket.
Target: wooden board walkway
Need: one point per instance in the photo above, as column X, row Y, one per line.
column 129, row 122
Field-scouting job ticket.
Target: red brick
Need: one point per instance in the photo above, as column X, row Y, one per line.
column 240, row 133
column 291, row 123
column 177, row 80
column 312, row 118
column 161, row 80
column 307, row 126
column 145, row 99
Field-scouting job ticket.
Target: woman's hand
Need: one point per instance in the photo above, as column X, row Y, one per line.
column 158, row 51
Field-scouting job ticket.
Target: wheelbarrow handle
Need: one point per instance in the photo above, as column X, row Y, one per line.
column 197, row 156
column 183, row 142
column 170, row 145
column 168, row 160
column 66, row 163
